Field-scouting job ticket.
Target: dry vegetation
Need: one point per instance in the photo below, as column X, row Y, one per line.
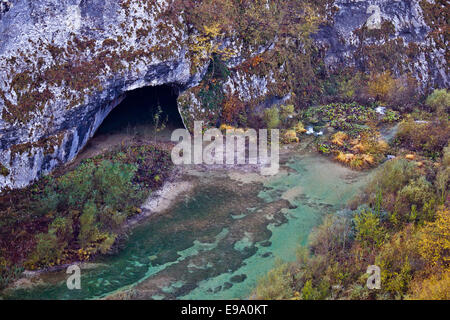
column 400, row 222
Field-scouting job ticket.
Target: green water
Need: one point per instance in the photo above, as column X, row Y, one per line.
column 217, row 242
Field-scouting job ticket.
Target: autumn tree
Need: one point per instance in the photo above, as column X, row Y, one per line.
column 435, row 240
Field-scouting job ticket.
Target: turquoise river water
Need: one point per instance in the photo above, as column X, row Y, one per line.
column 218, row 239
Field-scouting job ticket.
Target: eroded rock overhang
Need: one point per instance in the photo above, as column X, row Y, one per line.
column 64, row 65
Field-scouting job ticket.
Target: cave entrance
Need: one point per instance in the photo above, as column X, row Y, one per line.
column 133, row 120
column 134, row 116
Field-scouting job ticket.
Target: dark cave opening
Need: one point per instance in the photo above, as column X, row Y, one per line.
column 135, row 114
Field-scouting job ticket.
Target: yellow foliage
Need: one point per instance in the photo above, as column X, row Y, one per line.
column 290, row 136
column 433, row 288
column 394, row 259
column 382, row 146
column 225, row 127
column 339, row 138
column 381, row 85
column 369, row 145
column 345, row 157
column 299, row 128
column 341, row 157
column 207, row 43
column 368, row 159
column 212, row 31
column 359, row 148
column 275, row 285
column 349, row 157
column 435, row 239
column 297, row 296
column 355, row 161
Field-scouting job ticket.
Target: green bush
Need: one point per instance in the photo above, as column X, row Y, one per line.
column 50, row 199
column 417, row 193
column 111, row 219
column 312, row 293
column 439, row 101
column 331, row 236
column 88, row 228
column 391, row 116
column 393, row 176
column 51, row 245
column 398, row 259
column 62, row 228
column 349, row 117
column 4, row 171
column 104, row 192
column 8, row 273
column 272, row 118
column 106, row 183
column 359, row 292
column 286, row 111
column 276, row 285
column 348, row 87
column 94, row 235
column 369, row 229
column 113, row 181
column 47, row 250
column 308, row 292
column 79, row 213
column 77, row 186
column 443, row 175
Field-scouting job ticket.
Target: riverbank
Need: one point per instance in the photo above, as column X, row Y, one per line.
column 399, row 222
column 167, row 187
column 78, row 211
column 180, row 196
column 162, row 199
column 219, row 237
column 158, row 202
column 276, row 212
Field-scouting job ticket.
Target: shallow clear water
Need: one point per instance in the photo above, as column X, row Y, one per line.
column 218, row 241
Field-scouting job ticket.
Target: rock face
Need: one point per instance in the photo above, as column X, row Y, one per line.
column 77, row 59
column 396, row 28
column 65, row 64
column 4, row 7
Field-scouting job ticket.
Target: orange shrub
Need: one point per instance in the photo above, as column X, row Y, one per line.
column 231, row 108
column 380, row 85
column 398, row 93
column 339, row 138
column 434, row 288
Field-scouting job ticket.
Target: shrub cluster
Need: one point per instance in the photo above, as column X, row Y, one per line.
column 401, row 224
column 77, row 214
column 426, row 138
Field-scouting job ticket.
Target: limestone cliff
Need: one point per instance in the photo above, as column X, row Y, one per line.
column 65, row 64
